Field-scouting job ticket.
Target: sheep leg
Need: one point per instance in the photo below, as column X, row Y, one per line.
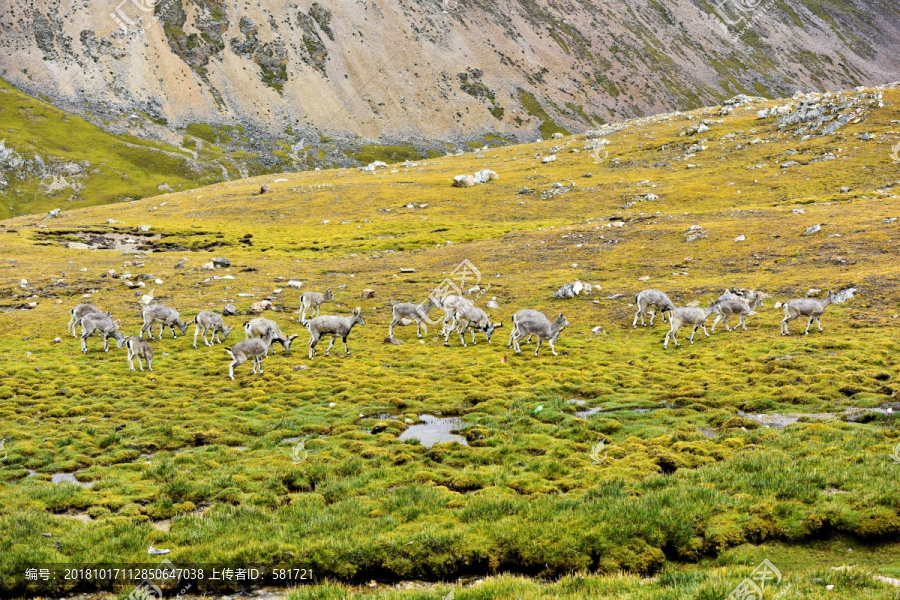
column 539, row 346
column 140, row 364
column 473, row 337
column 130, row 361
column 639, row 313
column 84, row 336
column 517, row 336
column 328, row 349
column 716, row 322
column 652, row 316
column 259, row 362
column 312, row 345
column 743, row 322
column 419, row 326
column 552, row 348
column 162, row 329
column 346, row 347
column 461, row 331
column 808, row 325
column 150, row 364
column 196, row 333
column 727, row 328
column 172, row 327
column 391, row 328
column 105, row 343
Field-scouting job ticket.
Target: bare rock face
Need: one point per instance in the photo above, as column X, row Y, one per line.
column 266, row 64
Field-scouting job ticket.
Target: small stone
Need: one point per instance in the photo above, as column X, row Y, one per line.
column 208, row 267
column 644, row 278
column 368, row 293
column 293, row 283
column 548, row 159
column 264, row 189
column 57, row 340
column 407, row 270
column 740, row 238
column 229, row 311
column 556, row 136
column 814, row 229
column 221, row 262
column 300, row 367
column 394, row 341
column 598, row 330
column 845, row 189
column 492, row 304
column 144, row 228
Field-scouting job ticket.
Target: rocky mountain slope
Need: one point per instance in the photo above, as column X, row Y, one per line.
column 304, row 73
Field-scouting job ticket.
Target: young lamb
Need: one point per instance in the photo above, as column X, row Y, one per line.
column 104, row 325
column 469, row 317
column 252, row 349
column 256, row 328
column 528, row 314
column 78, row 313
column 336, row 327
column 805, row 307
column 647, row 298
column 688, row 315
column 415, row 312
column 736, row 306
column 166, row 317
column 138, row 348
column 313, row 300
column 210, row 321
column 542, row 328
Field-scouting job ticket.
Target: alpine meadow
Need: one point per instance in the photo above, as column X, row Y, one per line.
column 602, row 303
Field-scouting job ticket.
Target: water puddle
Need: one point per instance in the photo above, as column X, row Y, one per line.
column 434, row 431
column 780, row 421
column 70, row 478
column 83, row 517
column 165, row 525
column 113, row 241
column 584, row 414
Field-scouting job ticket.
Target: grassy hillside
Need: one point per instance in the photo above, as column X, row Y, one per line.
column 62, row 161
column 688, row 488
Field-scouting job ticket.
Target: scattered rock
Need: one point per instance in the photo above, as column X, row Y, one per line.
column 485, row 175
column 164, row 187
column 144, row 228
column 368, row 293
column 549, row 159
column 374, row 165
column 740, row 238
column 208, row 267
column 264, row 189
column 258, row 307
column 463, row 181
column 570, row 290
column 394, row 341
column 57, row 340
column 492, row 303
column 695, row 232
column 53, row 213
column 798, row 211
column 407, row 270
column 844, row 295
column 556, row 136
column 229, row 311
column 644, row 278
column 221, row 262
column 845, row 189
column 23, row 283
column 293, row 283
column 814, row 229
column 598, row 330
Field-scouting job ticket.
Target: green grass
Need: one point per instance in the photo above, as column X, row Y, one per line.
column 668, row 513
